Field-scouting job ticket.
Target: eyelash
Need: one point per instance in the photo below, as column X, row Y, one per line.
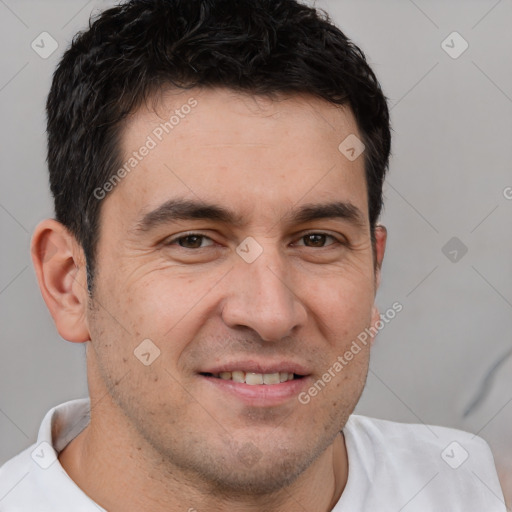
column 172, row 241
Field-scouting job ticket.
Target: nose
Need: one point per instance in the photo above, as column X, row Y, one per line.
column 261, row 297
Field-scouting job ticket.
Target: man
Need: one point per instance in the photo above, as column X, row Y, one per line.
column 217, row 170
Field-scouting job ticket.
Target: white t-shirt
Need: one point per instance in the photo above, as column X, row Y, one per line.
column 392, row 467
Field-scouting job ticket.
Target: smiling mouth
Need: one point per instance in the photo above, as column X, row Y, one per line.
column 255, row 379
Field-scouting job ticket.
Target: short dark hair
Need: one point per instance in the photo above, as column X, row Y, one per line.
column 133, row 50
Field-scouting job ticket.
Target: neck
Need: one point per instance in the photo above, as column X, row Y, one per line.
column 107, row 452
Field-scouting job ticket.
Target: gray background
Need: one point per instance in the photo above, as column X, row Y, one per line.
column 450, row 170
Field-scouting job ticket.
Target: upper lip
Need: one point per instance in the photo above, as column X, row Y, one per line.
column 254, row 366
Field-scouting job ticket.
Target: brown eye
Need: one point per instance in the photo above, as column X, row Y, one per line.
column 191, row 241
column 317, row 239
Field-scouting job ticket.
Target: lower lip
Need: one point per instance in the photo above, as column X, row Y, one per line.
column 260, row 394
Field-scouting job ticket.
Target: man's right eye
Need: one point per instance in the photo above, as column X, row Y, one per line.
column 190, row 241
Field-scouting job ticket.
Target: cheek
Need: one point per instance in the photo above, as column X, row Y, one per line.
column 344, row 305
column 154, row 305
column 168, row 309
column 349, row 385
column 132, row 358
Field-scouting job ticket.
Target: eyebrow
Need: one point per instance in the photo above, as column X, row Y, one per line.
column 336, row 210
column 181, row 209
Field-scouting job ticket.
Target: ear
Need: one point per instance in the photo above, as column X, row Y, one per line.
column 381, row 235
column 59, row 263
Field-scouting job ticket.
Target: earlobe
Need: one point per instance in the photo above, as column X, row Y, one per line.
column 60, row 268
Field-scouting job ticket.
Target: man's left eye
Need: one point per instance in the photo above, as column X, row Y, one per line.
column 318, row 239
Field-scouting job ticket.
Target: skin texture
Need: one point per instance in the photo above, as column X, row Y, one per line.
column 163, row 436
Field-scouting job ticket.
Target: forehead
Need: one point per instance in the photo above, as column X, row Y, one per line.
column 254, row 154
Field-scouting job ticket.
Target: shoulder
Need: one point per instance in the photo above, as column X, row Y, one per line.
column 449, row 466
column 14, row 475
column 393, row 433
column 414, row 442
column 34, row 479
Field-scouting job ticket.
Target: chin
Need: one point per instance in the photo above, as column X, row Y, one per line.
column 264, row 477
column 233, row 467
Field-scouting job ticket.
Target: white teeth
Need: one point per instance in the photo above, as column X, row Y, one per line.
column 238, row 376
column 271, row 378
column 254, row 379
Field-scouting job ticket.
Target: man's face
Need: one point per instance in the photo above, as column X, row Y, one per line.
column 271, row 284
